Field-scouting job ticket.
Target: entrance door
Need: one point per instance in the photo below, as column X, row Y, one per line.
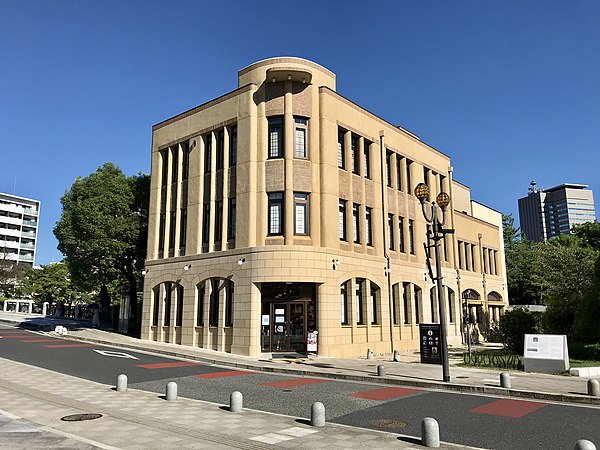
column 288, row 327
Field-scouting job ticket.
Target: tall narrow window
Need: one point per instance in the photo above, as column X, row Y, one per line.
column 342, row 220
column 161, row 233
column 360, row 317
column 219, row 221
column 300, row 144
column 167, row 304
column 229, row 303
column 300, row 213
column 395, row 304
column 399, row 172
column 355, row 223
column 205, row 223
column 388, row 168
column 173, row 217
column 214, row 302
column 450, row 305
column 426, row 173
column 185, row 167
column 374, row 307
column 155, row 306
column 164, row 157
column 411, row 237
column 275, row 137
column 275, row 213
column 344, row 303
column 408, row 177
column 233, row 145
column 182, row 231
column 401, row 244
column 179, row 316
column 369, row 225
column 220, row 149
column 355, row 154
column 391, row 231
column 231, row 219
column 341, row 149
column 417, row 295
column 406, row 302
column 200, row 312
column 367, row 159
column 207, row 152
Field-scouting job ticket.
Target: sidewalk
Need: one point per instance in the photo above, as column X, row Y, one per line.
column 137, row 419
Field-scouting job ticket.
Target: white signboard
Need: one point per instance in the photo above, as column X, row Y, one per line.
column 265, row 319
column 311, row 342
column 547, row 353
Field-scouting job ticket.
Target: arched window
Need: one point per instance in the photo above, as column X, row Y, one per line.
column 418, row 303
column 494, row 296
column 451, row 306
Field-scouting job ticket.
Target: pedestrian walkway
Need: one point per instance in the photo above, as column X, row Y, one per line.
column 138, row 419
column 142, row 420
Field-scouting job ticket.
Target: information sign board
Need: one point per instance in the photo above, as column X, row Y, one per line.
column 547, row 353
column 431, row 343
column 311, row 342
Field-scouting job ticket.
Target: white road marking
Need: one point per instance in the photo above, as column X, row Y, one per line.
column 115, row 354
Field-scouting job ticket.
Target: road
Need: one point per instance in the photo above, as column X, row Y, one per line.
column 473, row 420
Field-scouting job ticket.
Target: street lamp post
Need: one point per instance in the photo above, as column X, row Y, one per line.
column 431, row 216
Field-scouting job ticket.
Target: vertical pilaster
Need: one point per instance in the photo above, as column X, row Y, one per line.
column 288, row 154
column 213, row 190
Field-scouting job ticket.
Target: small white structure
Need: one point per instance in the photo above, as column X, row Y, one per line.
column 21, row 306
column 546, row 353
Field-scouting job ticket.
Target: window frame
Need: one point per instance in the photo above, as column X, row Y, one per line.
column 303, row 128
column 342, row 222
column 275, row 125
column 302, row 201
column 275, row 225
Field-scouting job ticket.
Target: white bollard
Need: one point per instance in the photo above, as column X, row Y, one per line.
column 236, row 401
column 171, row 390
column 430, row 433
column 505, row 380
column 583, row 444
column 593, row 387
column 122, row 383
column 317, row 414
column 381, row 371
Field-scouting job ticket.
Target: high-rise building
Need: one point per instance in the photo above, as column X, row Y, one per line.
column 546, row 213
column 18, row 228
column 283, row 208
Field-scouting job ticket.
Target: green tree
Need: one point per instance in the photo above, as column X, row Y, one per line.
column 525, row 273
column 589, row 233
column 52, row 283
column 103, row 230
column 568, row 274
column 514, row 325
column 586, row 329
column 511, row 234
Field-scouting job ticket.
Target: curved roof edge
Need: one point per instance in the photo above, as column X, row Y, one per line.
column 285, row 59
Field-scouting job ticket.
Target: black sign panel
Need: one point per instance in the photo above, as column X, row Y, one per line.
column 431, row 343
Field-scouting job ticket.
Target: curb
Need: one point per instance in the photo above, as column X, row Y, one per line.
column 389, row 379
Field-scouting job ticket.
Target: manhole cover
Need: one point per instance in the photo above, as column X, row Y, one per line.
column 80, row 417
column 388, row 423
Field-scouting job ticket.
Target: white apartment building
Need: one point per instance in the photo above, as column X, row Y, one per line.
column 19, row 218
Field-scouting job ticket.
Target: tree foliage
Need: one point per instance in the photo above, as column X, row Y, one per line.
column 103, row 229
column 514, row 325
column 52, row 283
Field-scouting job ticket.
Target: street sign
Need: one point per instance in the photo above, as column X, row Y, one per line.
column 431, row 343
column 115, row 354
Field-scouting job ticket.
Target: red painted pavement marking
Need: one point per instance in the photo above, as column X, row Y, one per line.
column 167, row 365
column 69, row 345
column 294, row 382
column 233, row 373
column 509, row 408
column 385, row 393
column 40, row 340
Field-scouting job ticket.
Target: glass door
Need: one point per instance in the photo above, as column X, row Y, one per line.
column 280, row 341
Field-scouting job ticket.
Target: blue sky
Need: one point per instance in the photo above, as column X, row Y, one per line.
column 510, row 90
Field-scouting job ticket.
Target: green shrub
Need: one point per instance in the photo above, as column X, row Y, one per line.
column 589, row 352
column 514, row 325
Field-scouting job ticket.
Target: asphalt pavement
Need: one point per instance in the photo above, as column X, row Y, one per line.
column 31, row 409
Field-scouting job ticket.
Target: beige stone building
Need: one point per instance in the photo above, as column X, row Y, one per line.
column 282, row 208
